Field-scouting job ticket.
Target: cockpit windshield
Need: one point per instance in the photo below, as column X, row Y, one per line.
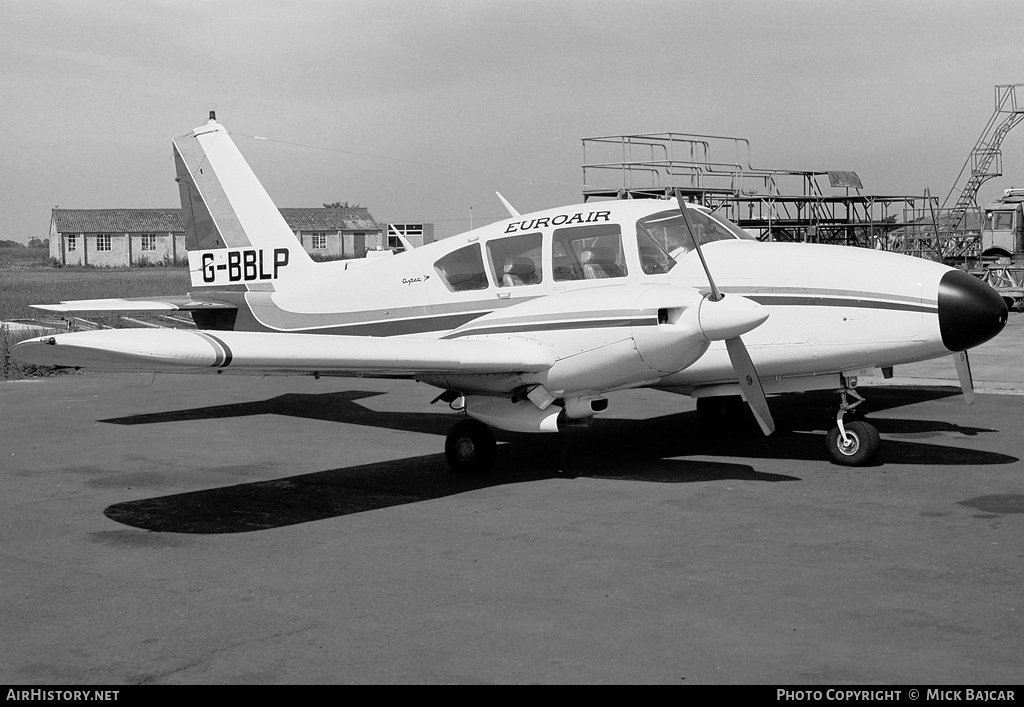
column 668, row 230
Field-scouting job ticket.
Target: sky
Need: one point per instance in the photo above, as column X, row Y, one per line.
column 420, row 110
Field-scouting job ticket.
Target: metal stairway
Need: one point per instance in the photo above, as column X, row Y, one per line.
column 985, row 160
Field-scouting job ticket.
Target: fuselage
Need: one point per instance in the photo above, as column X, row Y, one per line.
column 571, row 277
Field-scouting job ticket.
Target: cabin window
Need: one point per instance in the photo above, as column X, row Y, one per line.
column 148, row 241
column 516, row 261
column 72, row 243
column 319, row 241
column 588, row 253
column 1002, row 220
column 668, row 229
column 102, row 242
column 463, row 269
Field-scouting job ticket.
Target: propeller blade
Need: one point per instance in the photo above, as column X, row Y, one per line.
column 963, row 372
column 715, row 294
column 744, row 318
column 750, row 384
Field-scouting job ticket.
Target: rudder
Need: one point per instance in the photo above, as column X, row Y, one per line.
column 234, row 233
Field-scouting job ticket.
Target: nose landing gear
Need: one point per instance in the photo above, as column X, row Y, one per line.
column 856, row 443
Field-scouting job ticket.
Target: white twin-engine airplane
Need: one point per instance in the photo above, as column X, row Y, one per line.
column 527, row 324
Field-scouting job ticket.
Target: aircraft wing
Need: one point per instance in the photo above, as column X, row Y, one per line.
column 186, row 350
column 183, row 303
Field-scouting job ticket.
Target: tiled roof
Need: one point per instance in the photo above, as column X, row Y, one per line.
column 117, row 220
column 169, row 220
column 351, row 219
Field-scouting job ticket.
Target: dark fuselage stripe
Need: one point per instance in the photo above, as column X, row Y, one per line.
column 399, row 327
column 552, row 326
column 814, row 301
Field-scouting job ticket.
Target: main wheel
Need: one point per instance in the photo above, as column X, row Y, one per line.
column 470, row 447
column 861, row 447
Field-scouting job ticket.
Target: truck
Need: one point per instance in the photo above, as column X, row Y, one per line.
column 1002, row 247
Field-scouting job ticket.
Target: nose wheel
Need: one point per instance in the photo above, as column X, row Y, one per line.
column 856, row 443
column 470, row 447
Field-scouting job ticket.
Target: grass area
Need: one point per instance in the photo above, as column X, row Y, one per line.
column 23, row 257
column 24, row 286
column 10, row 367
column 21, row 288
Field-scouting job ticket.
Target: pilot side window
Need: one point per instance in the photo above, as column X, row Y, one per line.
column 463, row 269
column 654, row 260
column 1002, row 221
column 516, row 261
column 588, row 253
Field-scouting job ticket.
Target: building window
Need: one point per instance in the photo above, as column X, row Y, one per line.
column 72, row 243
column 319, row 241
column 148, row 241
column 409, row 230
column 102, row 242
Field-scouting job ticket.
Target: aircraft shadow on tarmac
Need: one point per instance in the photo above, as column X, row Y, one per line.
column 624, row 449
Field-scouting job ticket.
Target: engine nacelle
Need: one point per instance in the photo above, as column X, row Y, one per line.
column 677, row 340
column 601, row 338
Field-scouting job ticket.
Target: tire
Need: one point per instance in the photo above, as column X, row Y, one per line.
column 862, row 449
column 470, row 447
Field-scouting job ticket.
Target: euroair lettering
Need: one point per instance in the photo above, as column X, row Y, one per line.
column 559, row 220
column 218, row 267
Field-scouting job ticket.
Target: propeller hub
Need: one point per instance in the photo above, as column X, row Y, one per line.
column 729, row 317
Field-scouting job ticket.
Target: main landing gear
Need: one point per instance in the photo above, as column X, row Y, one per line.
column 856, row 443
column 470, row 447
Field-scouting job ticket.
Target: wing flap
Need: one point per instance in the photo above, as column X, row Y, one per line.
column 188, row 350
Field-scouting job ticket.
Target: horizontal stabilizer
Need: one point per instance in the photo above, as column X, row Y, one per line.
column 184, row 350
column 180, row 303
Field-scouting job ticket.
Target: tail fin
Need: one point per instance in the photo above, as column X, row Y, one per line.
column 234, row 234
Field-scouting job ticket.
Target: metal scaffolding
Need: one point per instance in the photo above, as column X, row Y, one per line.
column 779, row 204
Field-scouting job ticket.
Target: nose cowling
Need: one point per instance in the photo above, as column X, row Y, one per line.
column 970, row 312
